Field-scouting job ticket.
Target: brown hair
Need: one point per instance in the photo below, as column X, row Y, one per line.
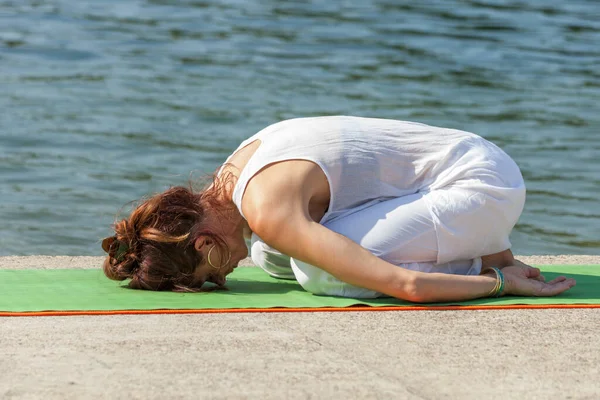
column 154, row 247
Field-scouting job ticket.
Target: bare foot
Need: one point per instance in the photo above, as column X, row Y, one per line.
column 499, row 260
column 518, row 263
column 506, row 259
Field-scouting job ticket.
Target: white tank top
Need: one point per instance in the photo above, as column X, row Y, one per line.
column 366, row 160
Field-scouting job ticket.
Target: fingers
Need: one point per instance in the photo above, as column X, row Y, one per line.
column 561, row 285
column 530, row 282
column 537, row 288
column 558, row 279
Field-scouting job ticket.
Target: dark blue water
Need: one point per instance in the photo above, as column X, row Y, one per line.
column 104, row 101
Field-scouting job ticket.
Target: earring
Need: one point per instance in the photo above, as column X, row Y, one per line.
column 210, row 262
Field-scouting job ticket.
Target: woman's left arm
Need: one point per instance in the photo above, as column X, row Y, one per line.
column 277, row 209
column 276, row 205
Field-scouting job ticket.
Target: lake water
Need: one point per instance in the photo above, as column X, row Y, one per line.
column 104, row 101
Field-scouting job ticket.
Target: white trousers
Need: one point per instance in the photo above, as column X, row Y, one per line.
column 445, row 230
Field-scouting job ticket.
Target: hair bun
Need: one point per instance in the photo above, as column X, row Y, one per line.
column 120, row 269
column 121, row 262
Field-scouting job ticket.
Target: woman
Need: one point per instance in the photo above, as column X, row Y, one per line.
column 347, row 206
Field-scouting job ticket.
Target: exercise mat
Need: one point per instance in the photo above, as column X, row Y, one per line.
column 89, row 292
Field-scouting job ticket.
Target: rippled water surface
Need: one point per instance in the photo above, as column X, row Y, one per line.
column 104, row 101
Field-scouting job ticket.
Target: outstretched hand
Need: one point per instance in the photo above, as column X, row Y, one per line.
column 523, row 280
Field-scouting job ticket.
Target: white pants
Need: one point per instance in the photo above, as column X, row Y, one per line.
column 445, row 230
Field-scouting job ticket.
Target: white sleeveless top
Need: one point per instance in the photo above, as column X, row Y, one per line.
column 366, row 160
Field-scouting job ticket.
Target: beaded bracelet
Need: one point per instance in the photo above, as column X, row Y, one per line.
column 499, row 288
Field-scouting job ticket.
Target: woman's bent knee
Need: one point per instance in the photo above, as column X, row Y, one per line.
column 320, row 282
column 270, row 260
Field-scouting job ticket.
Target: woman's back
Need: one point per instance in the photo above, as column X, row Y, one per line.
column 366, row 159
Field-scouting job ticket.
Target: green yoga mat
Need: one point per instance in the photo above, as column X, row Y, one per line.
column 88, row 291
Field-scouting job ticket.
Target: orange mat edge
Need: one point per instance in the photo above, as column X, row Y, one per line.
column 306, row 309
